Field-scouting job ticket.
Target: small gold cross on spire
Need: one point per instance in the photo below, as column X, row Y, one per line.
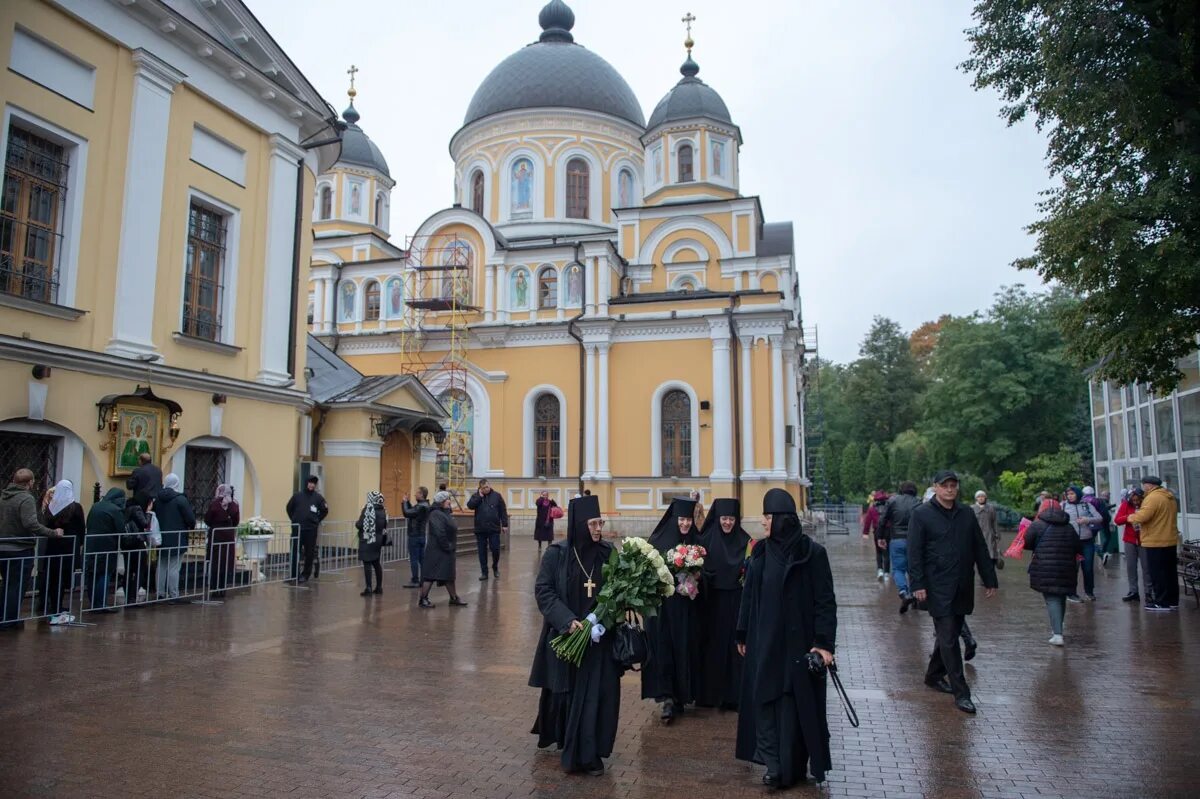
column 688, row 19
column 352, row 72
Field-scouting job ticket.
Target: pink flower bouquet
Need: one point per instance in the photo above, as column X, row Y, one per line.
column 685, row 562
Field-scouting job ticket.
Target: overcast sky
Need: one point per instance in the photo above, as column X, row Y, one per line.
column 908, row 193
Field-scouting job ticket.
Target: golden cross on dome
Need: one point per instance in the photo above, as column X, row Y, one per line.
column 688, row 19
column 352, row 72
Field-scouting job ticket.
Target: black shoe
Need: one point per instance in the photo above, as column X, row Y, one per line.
column 496, row 572
column 771, row 781
column 425, row 603
column 366, row 591
column 411, row 585
column 378, row 589
column 596, row 770
column 969, row 649
column 301, row 580
column 965, row 705
column 483, row 576
column 942, row 685
column 668, row 712
column 1132, row 596
column 456, row 602
column 1074, row 598
column 905, row 601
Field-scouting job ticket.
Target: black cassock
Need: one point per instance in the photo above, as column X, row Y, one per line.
column 579, row 707
column 721, row 598
column 788, row 607
column 673, row 636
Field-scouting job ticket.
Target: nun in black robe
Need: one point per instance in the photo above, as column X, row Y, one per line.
column 721, row 598
column 579, row 707
column 788, row 610
column 671, row 675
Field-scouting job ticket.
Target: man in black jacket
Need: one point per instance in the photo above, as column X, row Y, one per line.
column 145, row 481
column 418, row 517
column 491, row 519
column 892, row 533
column 306, row 509
column 945, row 546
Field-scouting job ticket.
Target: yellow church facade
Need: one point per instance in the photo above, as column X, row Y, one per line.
column 600, row 309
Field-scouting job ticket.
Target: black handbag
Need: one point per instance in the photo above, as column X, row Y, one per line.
column 629, row 646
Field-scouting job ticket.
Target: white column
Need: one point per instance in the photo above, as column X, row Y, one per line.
column 603, row 286
column 747, row 407
column 281, row 222
column 318, row 304
column 154, row 82
column 722, row 429
column 589, row 413
column 489, row 291
column 778, row 454
column 602, row 472
column 330, row 317
column 793, row 413
column 502, row 294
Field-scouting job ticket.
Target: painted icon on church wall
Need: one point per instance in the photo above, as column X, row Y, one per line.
column 349, row 292
column 718, row 158
column 456, row 453
column 574, row 284
column 356, row 199
column 625, row 188
column 520, row 290
column 395, row 295
column 522, row 185
column 457, row 283
column 656, row 161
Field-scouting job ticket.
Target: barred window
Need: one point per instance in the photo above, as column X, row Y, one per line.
column 31, row 215
column 676, row 434
column 685, row 163
column 203, row 288
column 548, row 287
column 372, row 297
column 326, row 202
column 547, row 432
column 578, row 185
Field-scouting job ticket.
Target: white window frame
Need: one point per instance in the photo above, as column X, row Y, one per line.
column 229, row 273
column 530, row 428
column 654, row 179
column 615, row 200
column 478, row 165
column 321, row 186
column 675, row 145
column 72, row 218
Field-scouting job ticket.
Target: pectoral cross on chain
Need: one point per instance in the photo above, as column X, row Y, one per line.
column 589, row 585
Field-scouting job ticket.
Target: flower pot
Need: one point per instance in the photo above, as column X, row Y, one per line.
column 254, row 547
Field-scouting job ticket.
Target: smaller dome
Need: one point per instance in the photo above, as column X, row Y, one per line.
column 357, row 147
column 688, row 99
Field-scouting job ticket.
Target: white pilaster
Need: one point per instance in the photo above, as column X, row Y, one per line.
column 318, row 321
column 603, row 286
column 747, row 407
column 722, row 428
column 793, row 412
column 330, row 306
column 154, row 82
column 277, row 276
column 778, row 453
column 589, row 413
column 489, row 291
column 602, row 472
column 502, row 294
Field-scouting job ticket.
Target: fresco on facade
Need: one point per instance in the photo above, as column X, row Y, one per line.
column 522, row 185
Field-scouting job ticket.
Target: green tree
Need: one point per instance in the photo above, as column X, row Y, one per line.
column 919, row 471
column 1116, row 87
column 877, row 469
column 1054, row 471
column 882, row 386
column 895, row 467
column 853, row 483
column 826, row 473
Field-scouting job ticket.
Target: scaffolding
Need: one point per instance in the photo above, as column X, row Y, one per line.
column 814, row 420
column 438, row 306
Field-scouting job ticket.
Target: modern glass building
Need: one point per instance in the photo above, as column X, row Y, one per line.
column 1136, row 433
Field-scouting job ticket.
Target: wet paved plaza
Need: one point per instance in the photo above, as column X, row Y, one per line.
column 323, row 693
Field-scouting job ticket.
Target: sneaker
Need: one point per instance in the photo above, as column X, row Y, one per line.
column 141, row 595
column 1091, row 597
column 879, row 575
column 886, row 577
column 1056, row 640
column 1074, row 598
column 61, row 618
column 905, row 601
column 425, row 603
column 119, row 596
column 1156, row 606
column 1132, row 596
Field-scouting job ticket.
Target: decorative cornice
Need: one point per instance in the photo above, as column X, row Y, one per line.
column 542, row 121
column 155, row 70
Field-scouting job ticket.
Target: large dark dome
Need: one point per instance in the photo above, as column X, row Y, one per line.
column 554, row 72
column 690, row 98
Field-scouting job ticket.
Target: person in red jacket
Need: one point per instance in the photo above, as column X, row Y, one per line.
column 870, row 528
column 1132, row 537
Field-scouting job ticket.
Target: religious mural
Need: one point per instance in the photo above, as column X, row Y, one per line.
column 349, row 295
column 456, row 453
column 355, row 199
column 519, row 292
column 456, row 283
column 656, row 160
column 625, row 188
column 395, row 298
column 574, row 280
column 522, row 186
column 139, row 431
column 718, row 158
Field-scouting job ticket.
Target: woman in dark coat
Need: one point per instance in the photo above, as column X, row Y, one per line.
column 176, row 519
column 371, row 526
column 788, row 610
column 439, row 563
column 725, row 542
column 222, row 518
column 54, row 572
column 672, row 672
column 579, row 707
column 1056, row 548
column 543, row 526
column 133, row 549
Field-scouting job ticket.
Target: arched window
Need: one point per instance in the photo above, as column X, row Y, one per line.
column 578, row 180
column 676, row 434
column 372, row 298
column 548, row 287
column 685, row 163
column 546, row 435
column 477, row 192
column 625, row 188
column 326, row 202
column 379, row 210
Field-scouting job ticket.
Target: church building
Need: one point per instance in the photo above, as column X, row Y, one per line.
column 601, row 306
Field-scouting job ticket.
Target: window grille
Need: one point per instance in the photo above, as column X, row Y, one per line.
column 204, row 288
column 31, row 216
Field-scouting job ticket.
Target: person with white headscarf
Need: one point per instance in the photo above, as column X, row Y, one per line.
column 176, row 519
column 371, row 526
column 54, row 572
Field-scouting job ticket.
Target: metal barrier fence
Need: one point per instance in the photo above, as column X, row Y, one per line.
column 616, row 524
column 42, row 578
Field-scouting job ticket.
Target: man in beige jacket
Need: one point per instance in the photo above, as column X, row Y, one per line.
column 1160, row 537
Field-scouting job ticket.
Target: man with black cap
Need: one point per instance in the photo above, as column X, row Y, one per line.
column 725, row 544
column 579, row 707
column 306, row 509
column 788, row 619
column 1160, row 538
column 945, row 546
column 672, row 673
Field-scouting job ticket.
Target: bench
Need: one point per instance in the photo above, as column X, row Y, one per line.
column 1189, row 568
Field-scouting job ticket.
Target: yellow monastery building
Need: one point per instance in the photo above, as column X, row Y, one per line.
column 159, row 164
column 601, row 307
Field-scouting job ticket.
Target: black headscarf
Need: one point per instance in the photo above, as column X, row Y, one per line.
column 585, row 551
column 726, row 552
column 785, row 524
column 666, row 535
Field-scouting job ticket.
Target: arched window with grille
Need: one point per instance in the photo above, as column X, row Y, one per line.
column 326, row 202
column 685, row 157
column 477, row 192
column 548, row 287
column 578, row 185
column 547, row 433
column 676, row 434
column 372, row 301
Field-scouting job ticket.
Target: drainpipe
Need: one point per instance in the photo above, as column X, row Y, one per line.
column 337, row 331
column 735, row 373
column 296, row 233
column 316, row 432
column 571, row 324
